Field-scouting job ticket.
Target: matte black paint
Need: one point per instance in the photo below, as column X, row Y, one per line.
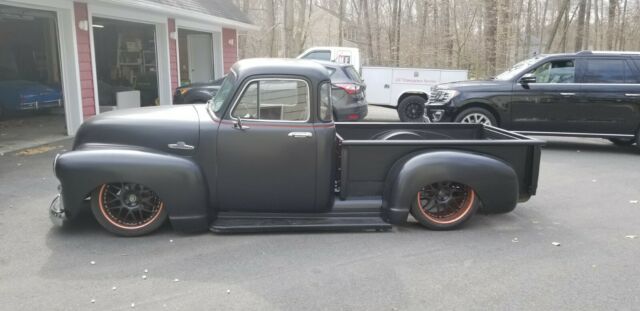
column 343, row 170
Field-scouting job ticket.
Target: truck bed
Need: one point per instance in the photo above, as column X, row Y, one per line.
column 368, row 150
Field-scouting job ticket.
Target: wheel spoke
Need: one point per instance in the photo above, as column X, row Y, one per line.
column 117, row 207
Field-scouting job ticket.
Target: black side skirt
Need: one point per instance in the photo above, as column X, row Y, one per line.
column 338, row 220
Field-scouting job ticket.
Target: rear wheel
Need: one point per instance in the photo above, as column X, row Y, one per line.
column 444, row 205
column 478, row 116
column 622, row 141
column 128, row 209
column 411, row 109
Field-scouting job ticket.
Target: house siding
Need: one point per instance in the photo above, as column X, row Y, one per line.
column 229, row 48
column 85, row 61
column 173, row 53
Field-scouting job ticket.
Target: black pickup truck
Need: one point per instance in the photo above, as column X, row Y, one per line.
column 265, row 155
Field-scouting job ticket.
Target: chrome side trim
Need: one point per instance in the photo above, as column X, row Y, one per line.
column 571, row 134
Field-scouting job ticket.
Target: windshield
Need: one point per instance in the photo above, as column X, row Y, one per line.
column 223, row 93
column 517, row 68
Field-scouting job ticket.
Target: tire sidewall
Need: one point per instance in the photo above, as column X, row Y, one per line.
column 478, row 110
column 102, row 220
column 407, row 101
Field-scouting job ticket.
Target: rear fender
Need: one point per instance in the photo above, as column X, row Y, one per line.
column 177, row 180
column 494, row 181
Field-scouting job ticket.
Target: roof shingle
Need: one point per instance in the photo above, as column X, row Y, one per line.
column 220, row 8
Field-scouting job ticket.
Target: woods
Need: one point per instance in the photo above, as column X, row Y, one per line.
column 483, row 36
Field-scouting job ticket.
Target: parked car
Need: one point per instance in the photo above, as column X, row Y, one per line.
column 265, row 155
column 584, row 94
column 195, row 93
column 336, row 54
column 21, row 95
column 347, row 92
column 406, row 89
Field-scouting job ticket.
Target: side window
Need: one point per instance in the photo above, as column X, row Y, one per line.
column 562, row 71
column 631, row 75
column 273, row 99
column 319, row 55
column 247, row 106
column 326, row 111
column 604, row 71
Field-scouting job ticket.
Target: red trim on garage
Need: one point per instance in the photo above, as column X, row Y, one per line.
column 173, row 53
column 84, row 57
column 229, row 48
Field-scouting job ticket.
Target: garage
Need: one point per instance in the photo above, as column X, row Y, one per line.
column 126, row 63
column 31, row 91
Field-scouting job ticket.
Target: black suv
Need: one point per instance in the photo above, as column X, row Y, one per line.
column 584, row 94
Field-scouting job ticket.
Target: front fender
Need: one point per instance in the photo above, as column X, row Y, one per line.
column 494, row 181
column 178, row 181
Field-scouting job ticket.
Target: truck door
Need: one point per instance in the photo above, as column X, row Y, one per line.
column 267, row 149
column 549, row 103
column 610, row 97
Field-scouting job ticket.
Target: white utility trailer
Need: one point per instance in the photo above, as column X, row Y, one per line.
column 405, row 89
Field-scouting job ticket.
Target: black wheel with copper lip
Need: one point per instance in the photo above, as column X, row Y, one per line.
column 128, row 209
column 444, row 205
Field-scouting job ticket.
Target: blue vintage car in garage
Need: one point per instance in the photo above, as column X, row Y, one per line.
column 20, row 95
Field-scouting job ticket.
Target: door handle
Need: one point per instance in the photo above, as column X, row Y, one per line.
column 181, row 146
column 386, row 86
column 300, row 134
column 632, row 95
column 568, row 94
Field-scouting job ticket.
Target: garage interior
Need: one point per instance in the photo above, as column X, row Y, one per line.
column 126, row 64
column 31, row 97
column 196, row 56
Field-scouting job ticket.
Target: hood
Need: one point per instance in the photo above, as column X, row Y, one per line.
column 148, row 127
column 472, row 85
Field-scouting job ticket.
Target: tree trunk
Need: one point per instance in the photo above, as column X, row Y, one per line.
column 271, row 9
column 582, row 6
column 542, row 24
column 527, row 30
column 556, row 24
column 448, row 40
column 490, row 25
column 587, row 27
column 613, row 11
column 424, row 15
column 365, row 8
column 623, row 17
column 341, row 23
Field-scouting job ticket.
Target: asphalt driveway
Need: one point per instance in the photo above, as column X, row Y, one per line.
column 587, row 202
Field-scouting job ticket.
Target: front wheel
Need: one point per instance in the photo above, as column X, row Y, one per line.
column 411, row 109
column 477, row 115
column 128, row 209
column 444, row 205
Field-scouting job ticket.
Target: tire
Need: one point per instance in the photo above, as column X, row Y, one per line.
column 110, row 201
column 411, row 109
column 476, row 115
column 444, row 205
column 623, row 141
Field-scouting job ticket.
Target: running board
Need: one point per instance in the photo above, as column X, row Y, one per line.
column 235, row 223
